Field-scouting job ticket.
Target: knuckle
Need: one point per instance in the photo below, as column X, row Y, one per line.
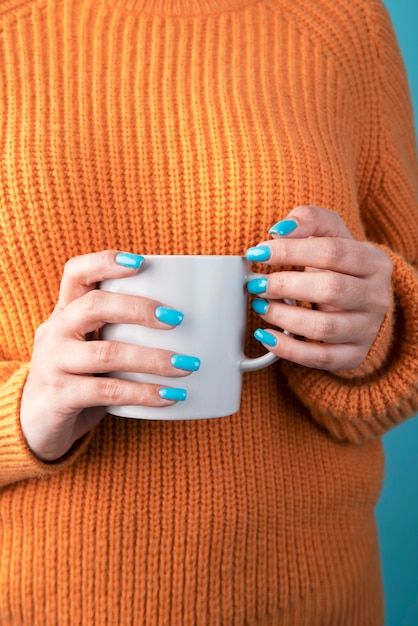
column 323, row 359
column 45, row 353
column 41, row 334
column 382, row 291
column 140, row 311
column 286, row 256
column 332, row 251
column 310, row 212
column 276, row 281
column 384, row 264
column 92, row 302
column 106, row 353
column 389, row 268
column 305, row 212
column 385, row 302
column 334, row 288
column 324, row 328
column 70, row 268
column 56, row 381
column 110, row 390
column 47, row 372
column 386, row 273
column 84, row 267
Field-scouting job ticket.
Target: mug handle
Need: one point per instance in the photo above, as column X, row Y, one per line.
column 258, row 363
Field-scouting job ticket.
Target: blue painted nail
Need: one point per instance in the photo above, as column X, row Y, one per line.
column 283, row 228
column 183, row 362
column 172, row 393
column 257, row 286
column 168, row 316
column 265, row 337
column 127, row 259
column 258, row 253
column 260, row 306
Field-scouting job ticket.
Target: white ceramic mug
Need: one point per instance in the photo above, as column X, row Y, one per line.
column 210, row 292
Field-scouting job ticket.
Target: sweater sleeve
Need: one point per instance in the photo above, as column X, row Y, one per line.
column 364, row 403
column 17, row 462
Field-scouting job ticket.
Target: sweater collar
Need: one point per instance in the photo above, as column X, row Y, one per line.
column 180, row 8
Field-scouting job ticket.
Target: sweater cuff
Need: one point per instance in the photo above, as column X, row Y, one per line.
column 17, row 461
column 356, row 408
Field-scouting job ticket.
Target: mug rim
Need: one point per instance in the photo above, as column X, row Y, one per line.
column 194, row 256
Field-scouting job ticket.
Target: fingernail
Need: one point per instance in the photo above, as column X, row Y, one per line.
column 265, row 337
column 172, row 393
column 258, row 253
column 283, row 228
column 257, row 286
column 183, row 362
column 260, row 306
column 168, row 316
column 127, row 259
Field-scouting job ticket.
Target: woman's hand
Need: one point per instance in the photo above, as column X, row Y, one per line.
column 347, row 281
column 63, row 399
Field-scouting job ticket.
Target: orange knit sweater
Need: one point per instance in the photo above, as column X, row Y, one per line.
column 192, row 126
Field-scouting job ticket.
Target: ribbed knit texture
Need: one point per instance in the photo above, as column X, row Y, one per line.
column 192, row 126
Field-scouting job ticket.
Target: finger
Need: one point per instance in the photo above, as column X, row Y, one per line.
column 99, row 357
column 97, row 308
column 324, row 288
column 83, row 273
column 311, row 221
column 335, row 327
column 324, row 356
column 345, row 256
column 92, row 391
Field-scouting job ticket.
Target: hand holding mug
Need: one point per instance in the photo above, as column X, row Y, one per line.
column 348, row 280
column 64, row 396
column 210, row 290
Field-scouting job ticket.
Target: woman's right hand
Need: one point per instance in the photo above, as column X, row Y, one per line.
column 62, row 398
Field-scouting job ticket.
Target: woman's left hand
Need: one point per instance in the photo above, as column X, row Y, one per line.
column 347, row 281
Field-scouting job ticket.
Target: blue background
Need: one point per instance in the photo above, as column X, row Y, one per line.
column 397, row 512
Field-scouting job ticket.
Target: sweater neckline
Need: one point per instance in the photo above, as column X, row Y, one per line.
column 180, row 8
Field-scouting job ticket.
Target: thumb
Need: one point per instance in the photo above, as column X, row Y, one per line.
column 310, row 221
column 83, row 273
